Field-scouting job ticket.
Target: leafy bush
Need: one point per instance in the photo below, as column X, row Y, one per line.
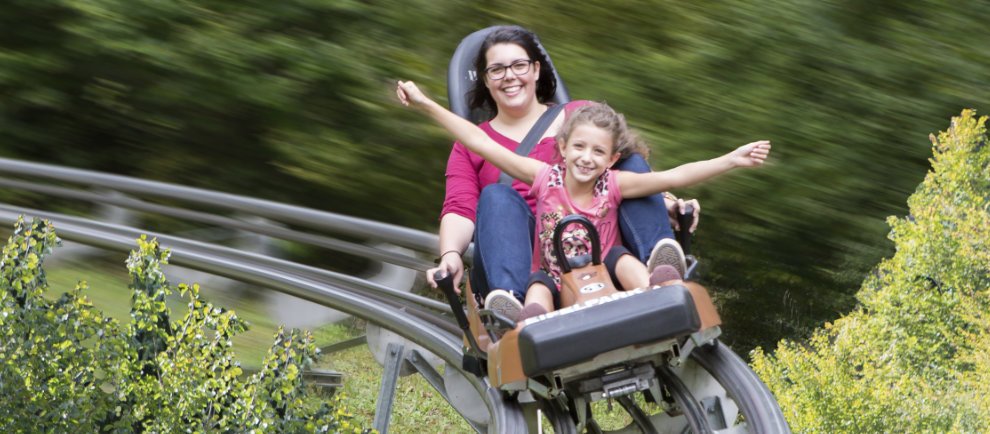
column 66, row 367
column 914, row 356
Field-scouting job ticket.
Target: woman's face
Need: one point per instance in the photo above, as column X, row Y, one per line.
column 511, row 91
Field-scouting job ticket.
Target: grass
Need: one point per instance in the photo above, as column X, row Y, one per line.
column 417, row 406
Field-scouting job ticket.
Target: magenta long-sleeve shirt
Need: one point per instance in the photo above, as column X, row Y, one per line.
column 467, row 173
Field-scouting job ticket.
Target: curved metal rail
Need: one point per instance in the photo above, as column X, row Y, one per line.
column 421, row 320
column 425, row 322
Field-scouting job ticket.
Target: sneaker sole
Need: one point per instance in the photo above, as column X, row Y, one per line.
column 505, row 307
column 667, row 254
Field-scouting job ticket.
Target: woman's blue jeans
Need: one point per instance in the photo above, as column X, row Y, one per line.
column 504, row 231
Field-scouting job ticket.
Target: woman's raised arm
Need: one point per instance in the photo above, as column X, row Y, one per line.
column 470, row 135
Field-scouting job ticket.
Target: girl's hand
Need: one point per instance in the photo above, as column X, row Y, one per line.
column 408, row 94
column 450, row 264
column 751, row 154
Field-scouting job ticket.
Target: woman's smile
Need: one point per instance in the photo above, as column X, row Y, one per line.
column 512, row 90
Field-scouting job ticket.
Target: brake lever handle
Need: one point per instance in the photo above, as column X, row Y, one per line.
column 445, row 281
column 684, row 221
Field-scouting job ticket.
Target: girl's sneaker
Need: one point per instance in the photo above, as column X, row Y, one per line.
column 503, row 302
column 667, row 251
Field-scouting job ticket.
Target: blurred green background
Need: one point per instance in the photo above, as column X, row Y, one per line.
column 293, row 101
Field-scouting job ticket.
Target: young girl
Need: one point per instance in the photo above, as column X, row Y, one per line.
column 590, row 141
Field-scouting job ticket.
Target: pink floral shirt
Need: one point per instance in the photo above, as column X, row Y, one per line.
column 553, row 204
column 468, row 173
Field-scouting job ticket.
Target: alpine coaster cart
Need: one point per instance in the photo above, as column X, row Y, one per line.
column 604, row 344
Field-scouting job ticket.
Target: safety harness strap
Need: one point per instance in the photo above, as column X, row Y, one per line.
column 534, row 134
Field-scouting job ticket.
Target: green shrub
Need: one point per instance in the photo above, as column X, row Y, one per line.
column 66, row 367
column 913, row 357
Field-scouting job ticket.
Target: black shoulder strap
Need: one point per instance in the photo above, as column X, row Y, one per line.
column 532, row 136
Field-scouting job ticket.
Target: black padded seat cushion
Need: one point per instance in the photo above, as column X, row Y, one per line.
column 578, row 336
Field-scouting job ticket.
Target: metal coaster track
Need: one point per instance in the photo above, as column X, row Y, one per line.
column 423, row 321
column 416, row 328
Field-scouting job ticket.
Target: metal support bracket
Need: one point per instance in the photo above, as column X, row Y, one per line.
column 713, row 409
column 426, row 370
column 386, row 395
column 436, row 380
column 326, row 382
column 693, row 341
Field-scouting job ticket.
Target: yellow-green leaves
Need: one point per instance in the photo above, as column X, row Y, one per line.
column 913, row 356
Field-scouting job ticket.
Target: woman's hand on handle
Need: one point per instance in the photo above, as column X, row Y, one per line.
column 455, row 236
column 676, row 207
column 450, row 264
column 680, row 206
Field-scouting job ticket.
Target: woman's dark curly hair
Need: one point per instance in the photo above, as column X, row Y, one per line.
column 546, row 84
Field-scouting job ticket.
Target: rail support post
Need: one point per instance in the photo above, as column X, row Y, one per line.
column 386, row 395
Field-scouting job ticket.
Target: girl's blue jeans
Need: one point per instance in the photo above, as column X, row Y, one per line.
column 504, row 231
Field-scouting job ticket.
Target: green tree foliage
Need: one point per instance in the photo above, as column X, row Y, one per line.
column 913, row 356
column 65, row 367
column 293, row 101
column 276, row 99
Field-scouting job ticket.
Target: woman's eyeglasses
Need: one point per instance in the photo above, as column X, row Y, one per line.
column 518, row 67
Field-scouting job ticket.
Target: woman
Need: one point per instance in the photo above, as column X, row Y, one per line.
column 514, row 81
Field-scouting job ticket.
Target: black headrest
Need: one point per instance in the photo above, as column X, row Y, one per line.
column 461, row 76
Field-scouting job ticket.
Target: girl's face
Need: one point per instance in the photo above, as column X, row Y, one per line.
column 510, row 89
column 588, row 152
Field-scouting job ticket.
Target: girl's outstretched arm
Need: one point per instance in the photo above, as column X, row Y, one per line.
column 645, row 184
column 470, row 135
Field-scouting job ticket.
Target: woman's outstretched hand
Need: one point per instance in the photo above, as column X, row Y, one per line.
column 409, row 94
column 751, row 154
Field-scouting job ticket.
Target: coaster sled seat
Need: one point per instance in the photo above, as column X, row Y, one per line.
column 601, row 344
column 594, row 319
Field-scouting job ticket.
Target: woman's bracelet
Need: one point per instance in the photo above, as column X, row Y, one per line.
column 440, row 258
